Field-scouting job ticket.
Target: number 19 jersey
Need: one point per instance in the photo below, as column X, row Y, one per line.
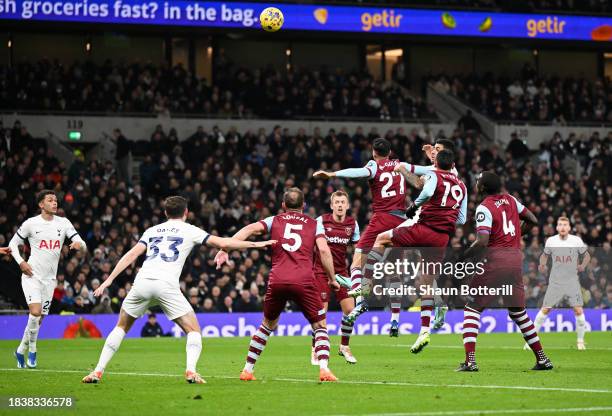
column 168, row 245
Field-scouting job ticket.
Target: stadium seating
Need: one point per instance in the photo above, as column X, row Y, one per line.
column 232, row 179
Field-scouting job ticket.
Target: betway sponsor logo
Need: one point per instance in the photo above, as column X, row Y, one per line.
column 337, row 240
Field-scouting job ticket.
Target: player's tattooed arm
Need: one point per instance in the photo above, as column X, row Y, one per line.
column 128, row 258
column 413, row 179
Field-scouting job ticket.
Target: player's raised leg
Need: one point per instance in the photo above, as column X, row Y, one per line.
column 189, row 324
column 111, row 346
column 524, row 323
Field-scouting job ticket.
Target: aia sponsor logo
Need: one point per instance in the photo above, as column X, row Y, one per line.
column 563, row 259
column 49, row 245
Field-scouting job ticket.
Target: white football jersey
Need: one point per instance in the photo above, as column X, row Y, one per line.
column 46, row 239
column 564, row 254
column 168, row 245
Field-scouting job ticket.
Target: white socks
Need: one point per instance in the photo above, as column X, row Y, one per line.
column 25, row 340
column 113, row 341
column 580, row 326
column 539, row 320
column 33, row 327
column 193, row 348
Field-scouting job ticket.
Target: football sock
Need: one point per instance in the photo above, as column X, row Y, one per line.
column 580, row 326
column 25, row 340
column 396, row 302
column 539, row 320
column 33, row 327
column 256, row 347
column 374, row 256
column 522, row 320
column 356, row 276
column 426, row 309
column 111, row 345
column 193, row 349
column 471, row 326
column 322, row 347
column 346, row 330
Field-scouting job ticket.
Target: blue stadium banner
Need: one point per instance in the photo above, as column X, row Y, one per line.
column 314, row 17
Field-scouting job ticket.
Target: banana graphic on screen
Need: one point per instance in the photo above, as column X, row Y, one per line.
column 486, row 24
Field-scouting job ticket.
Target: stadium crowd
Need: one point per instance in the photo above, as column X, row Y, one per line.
column 529, row 97
column 236, row 92
column 233, row 178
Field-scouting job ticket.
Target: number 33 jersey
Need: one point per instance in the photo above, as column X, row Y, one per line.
column 293, row 256
column 168, row 245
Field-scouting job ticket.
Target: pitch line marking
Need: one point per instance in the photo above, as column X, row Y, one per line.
column 302, row 380
column 460, row 347
column 490, row 412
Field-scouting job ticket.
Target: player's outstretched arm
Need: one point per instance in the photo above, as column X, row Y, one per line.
column 244, row 233
column 368, row 171
column 232, row 243
column 123, row 263
column 412, row 173
column 5, row 250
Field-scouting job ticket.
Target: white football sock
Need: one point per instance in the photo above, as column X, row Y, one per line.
column 193, row 348
column 113, row 341
column 539, row 320
column 395, row 316
column 580, row 326
column 33, row 327
column 25, row 340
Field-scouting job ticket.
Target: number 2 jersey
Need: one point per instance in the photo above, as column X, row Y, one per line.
column 293, row 255
column 499, row 216
column 168, row 245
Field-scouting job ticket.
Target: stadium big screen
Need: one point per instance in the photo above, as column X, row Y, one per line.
column 305, row 208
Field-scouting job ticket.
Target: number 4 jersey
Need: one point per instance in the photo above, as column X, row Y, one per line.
column 168, row 245
column 498, row 215
column 293, row 256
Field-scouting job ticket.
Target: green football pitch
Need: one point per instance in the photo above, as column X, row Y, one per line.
column 146, row 378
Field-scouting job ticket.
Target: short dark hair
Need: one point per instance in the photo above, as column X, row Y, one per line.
column 43, row 194
column 445, row 159
column 293, row 198
column 381, row 146
column 447, row 143
column 490, row 182
column 175, row 206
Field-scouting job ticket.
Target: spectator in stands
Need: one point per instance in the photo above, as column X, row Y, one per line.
column 151, row 328
column 123, row 156
column 468, row 123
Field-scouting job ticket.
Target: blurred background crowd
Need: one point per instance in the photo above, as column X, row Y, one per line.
column 238, row 92
column 232, row 178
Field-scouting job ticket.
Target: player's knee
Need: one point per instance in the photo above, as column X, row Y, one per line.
column 545, row 310
column 578, row 311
